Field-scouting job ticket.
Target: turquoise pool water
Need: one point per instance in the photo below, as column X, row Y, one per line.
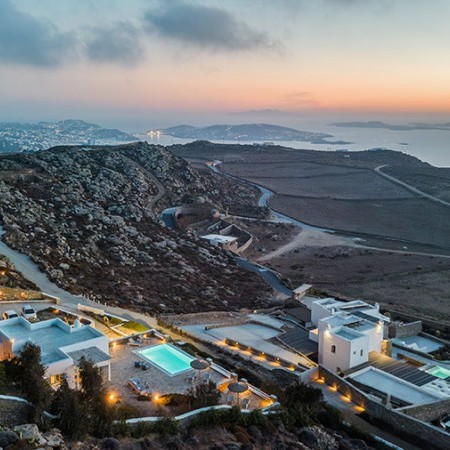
column 439, row 372
column 167, row 358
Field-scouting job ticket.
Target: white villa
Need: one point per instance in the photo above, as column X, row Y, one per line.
column 345, row 331
column 62, row 346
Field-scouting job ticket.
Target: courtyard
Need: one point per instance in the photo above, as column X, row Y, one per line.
column 146, row 387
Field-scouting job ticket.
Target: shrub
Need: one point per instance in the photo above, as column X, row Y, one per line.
column 330, row 417
column 176, row 399
column 166, row 426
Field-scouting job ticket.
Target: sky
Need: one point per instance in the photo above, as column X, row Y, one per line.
column 150, row 63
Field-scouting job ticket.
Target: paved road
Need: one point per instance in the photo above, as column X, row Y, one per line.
column 280, row 217
column 266, row 274
column 409, row 187
column 31, row 271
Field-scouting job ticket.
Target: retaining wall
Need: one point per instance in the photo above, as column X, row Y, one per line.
column 14, row 411
column 186, row 418
column 428, row 412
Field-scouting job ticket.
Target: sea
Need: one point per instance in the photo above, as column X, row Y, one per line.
column 431, row 146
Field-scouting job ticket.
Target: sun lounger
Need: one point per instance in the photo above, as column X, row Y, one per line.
column 138, row 386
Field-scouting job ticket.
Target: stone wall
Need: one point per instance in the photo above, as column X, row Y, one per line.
column 14, row 412
column 402, row 330
column 428, row 412
column 424, row 434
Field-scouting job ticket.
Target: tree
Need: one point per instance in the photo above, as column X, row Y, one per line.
column 28, row 371
column 301, row 403
column 69, row 405
column 94, row 394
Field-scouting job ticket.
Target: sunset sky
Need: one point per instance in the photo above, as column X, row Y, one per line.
column 175, row 61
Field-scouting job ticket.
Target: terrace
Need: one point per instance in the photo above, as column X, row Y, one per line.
column 158, row 382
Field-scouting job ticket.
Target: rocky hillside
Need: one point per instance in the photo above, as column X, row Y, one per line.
column 227, row 437
column 90, row 218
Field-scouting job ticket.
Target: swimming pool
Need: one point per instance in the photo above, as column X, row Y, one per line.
column 439, row 372
column 167, row 358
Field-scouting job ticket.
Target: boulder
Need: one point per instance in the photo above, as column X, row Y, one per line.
column 7, row 437
column 54, row 438
column 30, row 432
column 109, row 444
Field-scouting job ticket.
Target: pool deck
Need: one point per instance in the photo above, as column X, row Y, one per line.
column 122, row 369
column 252, row 335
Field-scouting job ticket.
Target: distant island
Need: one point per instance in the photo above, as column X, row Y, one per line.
column 249, row 132
column 20, row 137
column 410, row 127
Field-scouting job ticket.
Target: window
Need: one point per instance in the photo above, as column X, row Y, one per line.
column 333, row 349
column 361, row 352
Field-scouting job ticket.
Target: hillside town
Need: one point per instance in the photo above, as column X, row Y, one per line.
column 21, row 137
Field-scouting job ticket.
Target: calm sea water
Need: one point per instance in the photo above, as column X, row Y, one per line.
column 429, row 146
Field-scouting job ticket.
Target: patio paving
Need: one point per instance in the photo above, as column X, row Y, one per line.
column 158, row 382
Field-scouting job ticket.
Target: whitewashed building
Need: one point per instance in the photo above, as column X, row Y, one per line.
column 62, row 346
column 346, row 331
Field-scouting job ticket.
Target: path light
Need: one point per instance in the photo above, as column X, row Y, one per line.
column 238, row 387
column 112, row 397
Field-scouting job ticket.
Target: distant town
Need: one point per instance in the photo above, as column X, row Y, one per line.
column 23, row 137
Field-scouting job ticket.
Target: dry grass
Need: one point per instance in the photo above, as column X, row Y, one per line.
column 15, row 294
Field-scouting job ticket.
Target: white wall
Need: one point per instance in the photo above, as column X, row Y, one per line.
column 347, row 352
column 358, row 345
column 375, row 338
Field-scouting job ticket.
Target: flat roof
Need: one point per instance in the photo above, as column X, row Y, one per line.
column 361, row 325
column 349, row 320
column 301, row 313
column 219, row 238
column 93, row 354
column 347, row 334
column 298, row 339
column 393, row 386
column 50, row 335
column 303, row 288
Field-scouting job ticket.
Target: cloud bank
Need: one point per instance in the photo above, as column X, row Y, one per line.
column 25, row 39
column 118, row 43
column 205, row 27
column 29, row 40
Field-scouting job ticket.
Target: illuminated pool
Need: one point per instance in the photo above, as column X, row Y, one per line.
column 167, row 358
column 439, row 372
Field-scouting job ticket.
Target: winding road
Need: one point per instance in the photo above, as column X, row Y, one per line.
column 266, row 194
column 408, row 186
